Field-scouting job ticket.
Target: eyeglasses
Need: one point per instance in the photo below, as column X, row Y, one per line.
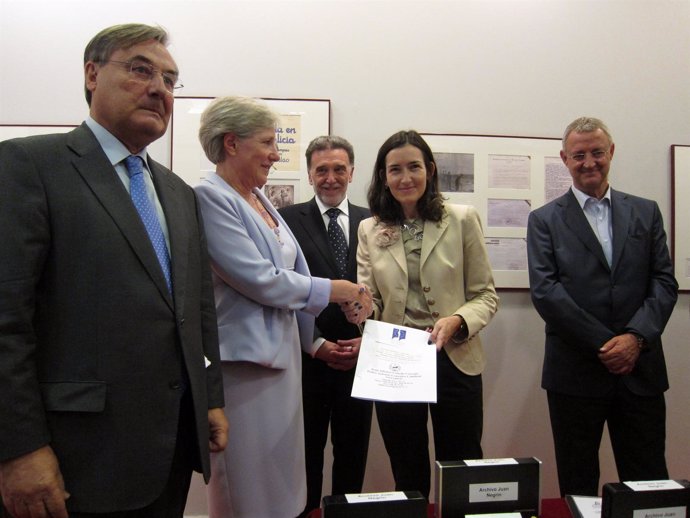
column 597, row 154
column 143, row 71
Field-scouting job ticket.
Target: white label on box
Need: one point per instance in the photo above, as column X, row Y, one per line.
column 489, row 462
column 494, row 515
column 662, row 512
column 494, row 492
column 375, row 497
column 653, row 485
column 587, row 506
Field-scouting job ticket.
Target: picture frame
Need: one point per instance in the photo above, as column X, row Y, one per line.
column 301, row 121
column 504, row 178
column 283, row 191
column 680, row 214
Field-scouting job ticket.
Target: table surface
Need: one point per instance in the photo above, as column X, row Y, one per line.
column 550, row 508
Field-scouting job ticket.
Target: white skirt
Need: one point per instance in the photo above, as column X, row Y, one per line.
column 261, row 474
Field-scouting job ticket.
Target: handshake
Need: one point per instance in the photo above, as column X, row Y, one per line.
column 355, row 300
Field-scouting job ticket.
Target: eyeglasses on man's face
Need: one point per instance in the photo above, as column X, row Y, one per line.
column 597, row 154
column 145, row 72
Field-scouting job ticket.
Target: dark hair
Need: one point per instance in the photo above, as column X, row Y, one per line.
column 382, row 203
column 117, row 37
column 329, row 142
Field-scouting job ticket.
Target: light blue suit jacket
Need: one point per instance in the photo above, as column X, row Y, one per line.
column 259, row 299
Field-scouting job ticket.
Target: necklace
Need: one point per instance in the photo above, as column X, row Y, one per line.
column 259, row 207
column 413, row 230
column 276, row 231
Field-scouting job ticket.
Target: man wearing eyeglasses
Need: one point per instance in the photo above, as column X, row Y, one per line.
column 109, row 363
column 602, row 280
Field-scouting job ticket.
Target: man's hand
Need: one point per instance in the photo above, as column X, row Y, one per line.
column 32, row 487
column 218, row 430
column 620, row 354
column 340, row 356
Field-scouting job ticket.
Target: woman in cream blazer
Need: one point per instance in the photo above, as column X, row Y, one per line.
column 426, row 265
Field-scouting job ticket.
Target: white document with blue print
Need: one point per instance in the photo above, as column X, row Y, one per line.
column 395, row 364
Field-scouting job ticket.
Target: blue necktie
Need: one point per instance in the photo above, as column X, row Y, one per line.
column 147, row 212
column 336, row 238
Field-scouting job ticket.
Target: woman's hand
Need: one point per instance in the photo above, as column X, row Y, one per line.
column 444, row 329
column 355, row 300
column 345, row 291
column 358, row 310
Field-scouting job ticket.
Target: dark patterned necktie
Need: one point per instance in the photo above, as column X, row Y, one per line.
column 336, row 238
column 147, row 212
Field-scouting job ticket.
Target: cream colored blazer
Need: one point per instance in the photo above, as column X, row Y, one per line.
column 455, row 275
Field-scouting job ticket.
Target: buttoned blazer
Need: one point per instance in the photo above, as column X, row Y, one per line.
column 455, row 275
column 584, row 302
column 95, row 353
column 306, row 222
column 258, row 297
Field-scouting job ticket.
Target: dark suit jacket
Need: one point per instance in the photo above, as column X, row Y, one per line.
column 306, row 223
column 584, row 302
column 94, row 352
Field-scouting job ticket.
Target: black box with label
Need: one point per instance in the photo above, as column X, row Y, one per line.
column 651, row 499
column 487, row 486
column 375, row 505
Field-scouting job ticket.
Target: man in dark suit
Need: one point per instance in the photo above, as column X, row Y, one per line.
column 109, row 364
column 327, row 375
column 602, row 280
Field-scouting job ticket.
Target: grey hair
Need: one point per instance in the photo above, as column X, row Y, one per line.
column 117, row 37
column 242, row 116
column 329, row 142
column 586, row 125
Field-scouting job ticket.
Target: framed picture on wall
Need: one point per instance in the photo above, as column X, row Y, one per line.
column 301, row 120
column 8, row 131
column 504, row 178
column 283, row 192
column 680, row 214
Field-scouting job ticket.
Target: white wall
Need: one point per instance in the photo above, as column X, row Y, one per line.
column 523, row 67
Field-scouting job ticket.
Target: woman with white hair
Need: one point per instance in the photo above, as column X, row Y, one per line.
column 266, row 301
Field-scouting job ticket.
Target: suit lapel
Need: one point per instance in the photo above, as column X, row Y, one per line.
column 397, row 250
column 432, row 233
column 178, row 232
column 316, row 230
column 575, row 219
column 96, row 170
column 621, row 217
column 356, row 216
column 313, row 224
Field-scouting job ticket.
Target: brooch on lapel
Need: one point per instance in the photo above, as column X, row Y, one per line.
column 387, row 235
